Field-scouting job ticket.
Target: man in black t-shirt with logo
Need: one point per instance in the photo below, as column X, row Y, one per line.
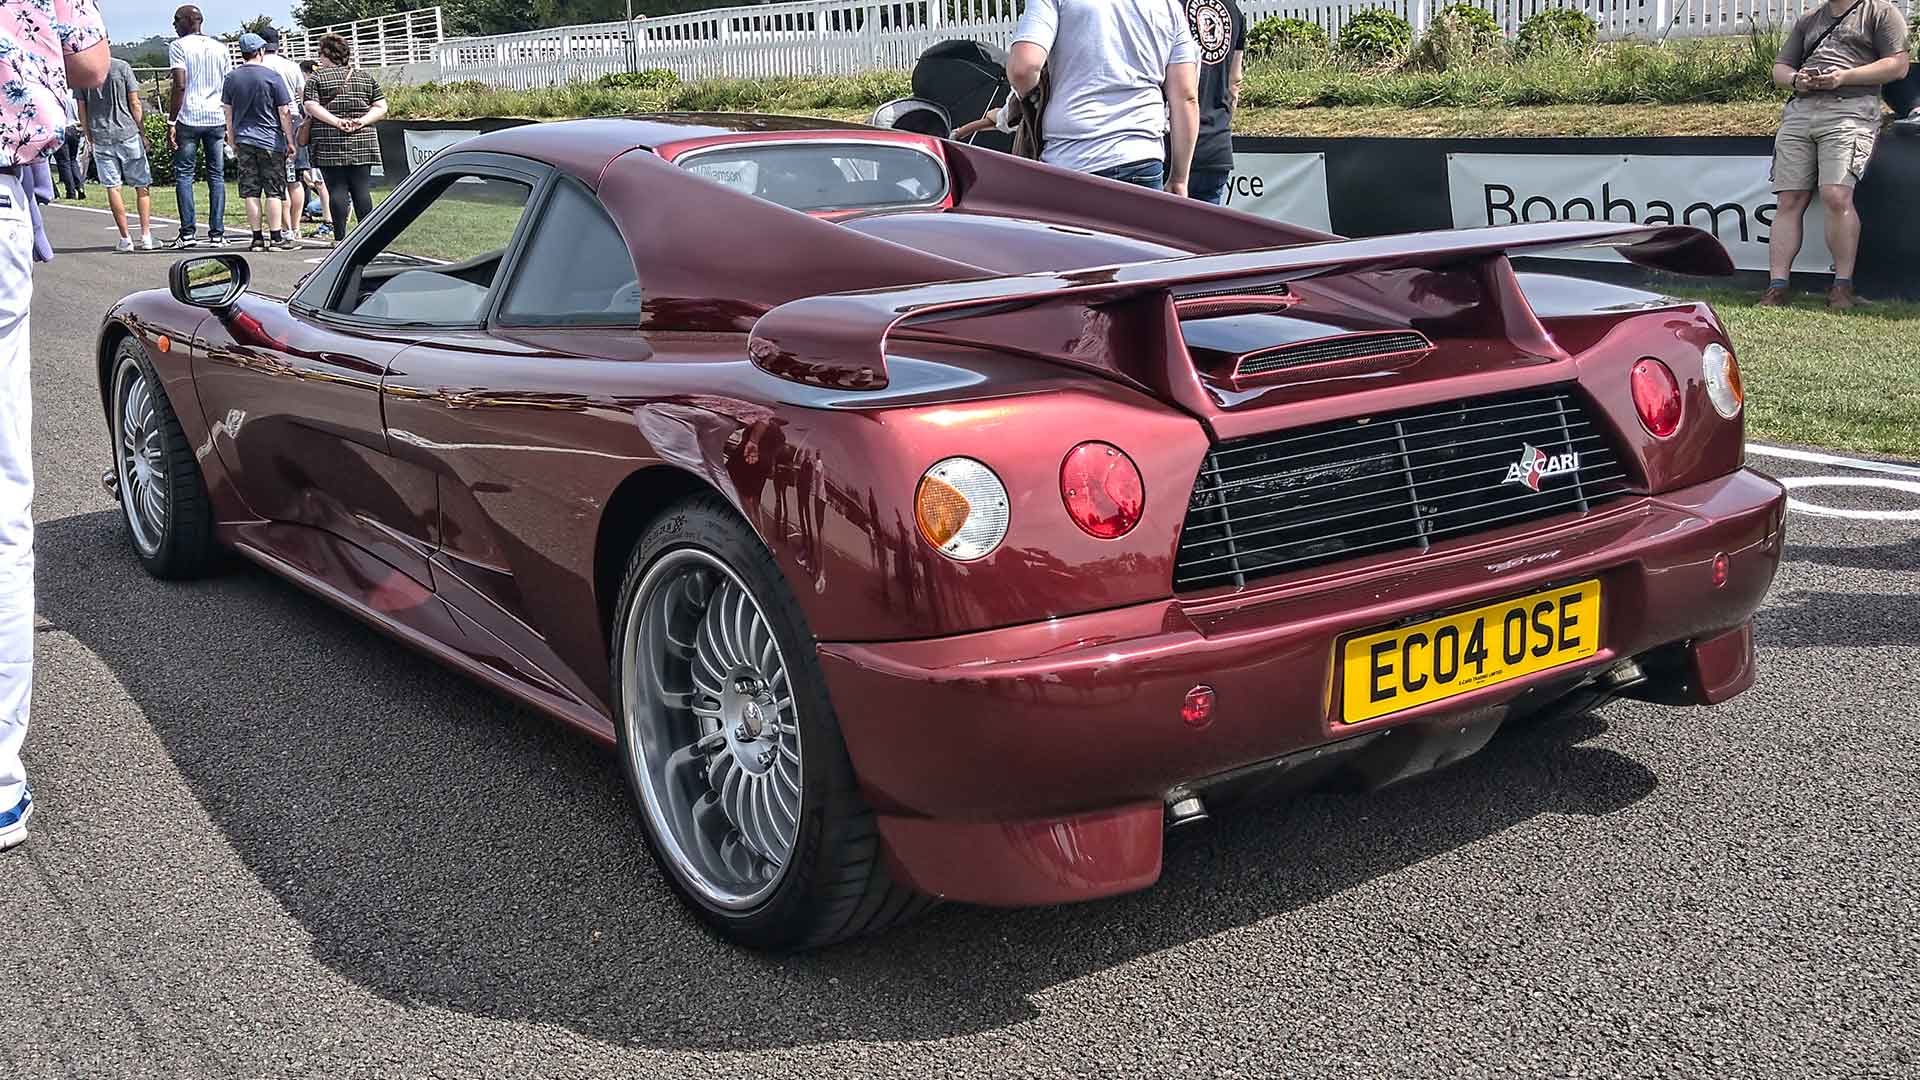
column 1221, row 32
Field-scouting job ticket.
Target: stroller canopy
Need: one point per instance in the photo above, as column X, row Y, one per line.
column 966, row 78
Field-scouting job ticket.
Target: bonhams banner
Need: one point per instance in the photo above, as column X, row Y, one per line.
column 1727, row 196
column 1286, row 187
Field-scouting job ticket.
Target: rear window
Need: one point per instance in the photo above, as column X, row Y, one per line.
column 826, row 176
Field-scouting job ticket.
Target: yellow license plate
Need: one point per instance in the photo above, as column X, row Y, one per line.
column 1397, row 669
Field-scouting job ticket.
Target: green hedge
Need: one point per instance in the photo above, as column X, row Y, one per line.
column 1558, row 30
column 1274, row 34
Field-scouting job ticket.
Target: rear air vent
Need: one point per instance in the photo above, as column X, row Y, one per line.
column 1270, row 504
column 1323, row 350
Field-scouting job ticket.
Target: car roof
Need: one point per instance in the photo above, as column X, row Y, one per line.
column 584, row 147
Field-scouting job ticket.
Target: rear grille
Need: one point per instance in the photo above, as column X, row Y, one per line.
column 1268, row 504
column 1321, row 350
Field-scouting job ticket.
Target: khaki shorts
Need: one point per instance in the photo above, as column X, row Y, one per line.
column 1824, row 140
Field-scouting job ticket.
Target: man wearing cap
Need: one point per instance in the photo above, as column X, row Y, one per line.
column 260, row 131
column 296, row 81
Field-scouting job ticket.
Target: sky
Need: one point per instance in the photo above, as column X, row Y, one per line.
column 136, row 20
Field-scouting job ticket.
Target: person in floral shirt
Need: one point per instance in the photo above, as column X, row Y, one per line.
column 47, row 48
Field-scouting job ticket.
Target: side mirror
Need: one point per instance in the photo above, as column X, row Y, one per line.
column 213, row 282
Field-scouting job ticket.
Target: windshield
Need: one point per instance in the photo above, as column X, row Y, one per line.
column 814, row 175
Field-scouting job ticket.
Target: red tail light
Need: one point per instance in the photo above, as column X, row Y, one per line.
column 1656, row 397
column 1102, row 490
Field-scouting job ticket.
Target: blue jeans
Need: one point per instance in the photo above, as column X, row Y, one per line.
column 1148, row 174
column 1209, row 185
column 191, row 140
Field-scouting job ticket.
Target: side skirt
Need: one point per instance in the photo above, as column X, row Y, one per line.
column 391, row 602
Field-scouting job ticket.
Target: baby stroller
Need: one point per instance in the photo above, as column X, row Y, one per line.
column 953, row 82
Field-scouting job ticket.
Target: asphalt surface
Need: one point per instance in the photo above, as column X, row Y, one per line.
column 273, row 843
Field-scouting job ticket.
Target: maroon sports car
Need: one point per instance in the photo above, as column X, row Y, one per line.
column 922, row 522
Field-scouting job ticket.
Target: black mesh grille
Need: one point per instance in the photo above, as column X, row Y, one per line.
column 1347, row 347
column 1267, row 504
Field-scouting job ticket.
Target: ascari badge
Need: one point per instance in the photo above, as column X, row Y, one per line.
column 1536, row 464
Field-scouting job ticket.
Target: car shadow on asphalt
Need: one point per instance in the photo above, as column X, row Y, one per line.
column 447, row 848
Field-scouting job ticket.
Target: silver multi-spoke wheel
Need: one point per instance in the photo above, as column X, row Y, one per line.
column 140, row 455
column 711, row 728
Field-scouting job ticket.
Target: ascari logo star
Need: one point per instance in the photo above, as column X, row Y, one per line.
column 1536, row 464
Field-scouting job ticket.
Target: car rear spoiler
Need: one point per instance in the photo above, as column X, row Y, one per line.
column 840, row 340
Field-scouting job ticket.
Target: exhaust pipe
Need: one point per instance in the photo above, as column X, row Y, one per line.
column 1185, row 810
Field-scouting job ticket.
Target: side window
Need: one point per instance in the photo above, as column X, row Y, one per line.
column 575, row 268
column 440, row 268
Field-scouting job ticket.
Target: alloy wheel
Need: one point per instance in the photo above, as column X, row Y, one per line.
column 140, row 457
column 712, row 729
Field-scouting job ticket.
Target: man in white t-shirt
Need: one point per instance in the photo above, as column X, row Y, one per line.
column 199, row 123
column 1120, row 73
column 296, row 81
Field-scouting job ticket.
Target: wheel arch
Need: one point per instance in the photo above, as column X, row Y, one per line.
column 111, row 335
column 643, row 496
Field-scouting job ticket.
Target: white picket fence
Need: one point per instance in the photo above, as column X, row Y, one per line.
column 844, row 37
column 405, row 37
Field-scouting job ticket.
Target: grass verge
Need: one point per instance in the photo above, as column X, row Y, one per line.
column 1842, row 380
column 1630, row 74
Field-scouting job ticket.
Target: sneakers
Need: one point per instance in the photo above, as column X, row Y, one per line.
column 288, row 243
column 1773, row 297
column 125, row 244
column 259, row 243
column 13, row 823
column 146, row 242
column 186, row 240
column 218, row 240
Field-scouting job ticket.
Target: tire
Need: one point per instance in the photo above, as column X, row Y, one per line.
column 163, row 497
column 679, row 739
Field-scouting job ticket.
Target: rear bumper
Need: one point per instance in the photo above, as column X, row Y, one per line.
column 1030, row 764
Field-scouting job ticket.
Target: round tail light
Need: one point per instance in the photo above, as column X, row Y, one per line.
column 961, row 508
column 1102, row 490
column 1723, row 380
column 1656, row 397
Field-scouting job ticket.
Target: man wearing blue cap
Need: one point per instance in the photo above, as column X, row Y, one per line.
column 260, row 130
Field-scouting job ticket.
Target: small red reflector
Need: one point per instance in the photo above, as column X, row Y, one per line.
column 1197, row 709
column 1656, row 396
column 1719, row 569
column 164, row 343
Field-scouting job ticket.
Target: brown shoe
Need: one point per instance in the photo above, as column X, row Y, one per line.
column 1841, row 298
column 1773, row 297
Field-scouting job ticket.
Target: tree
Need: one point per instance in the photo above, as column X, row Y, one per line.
column 256, row 24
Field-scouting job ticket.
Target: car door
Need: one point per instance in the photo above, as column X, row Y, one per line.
column 527, row 423
column 298, row 414
column 293, row 405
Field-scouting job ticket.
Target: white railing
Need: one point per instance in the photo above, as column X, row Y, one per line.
column 405, row 37
column 843, row 37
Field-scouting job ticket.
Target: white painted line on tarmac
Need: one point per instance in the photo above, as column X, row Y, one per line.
column 1840, row 460
column 1793, row 482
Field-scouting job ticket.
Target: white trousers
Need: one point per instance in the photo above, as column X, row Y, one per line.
column 16, row 486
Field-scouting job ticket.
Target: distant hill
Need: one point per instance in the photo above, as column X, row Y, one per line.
column 149, row 53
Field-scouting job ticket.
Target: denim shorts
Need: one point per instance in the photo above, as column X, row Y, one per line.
column 123, row 164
